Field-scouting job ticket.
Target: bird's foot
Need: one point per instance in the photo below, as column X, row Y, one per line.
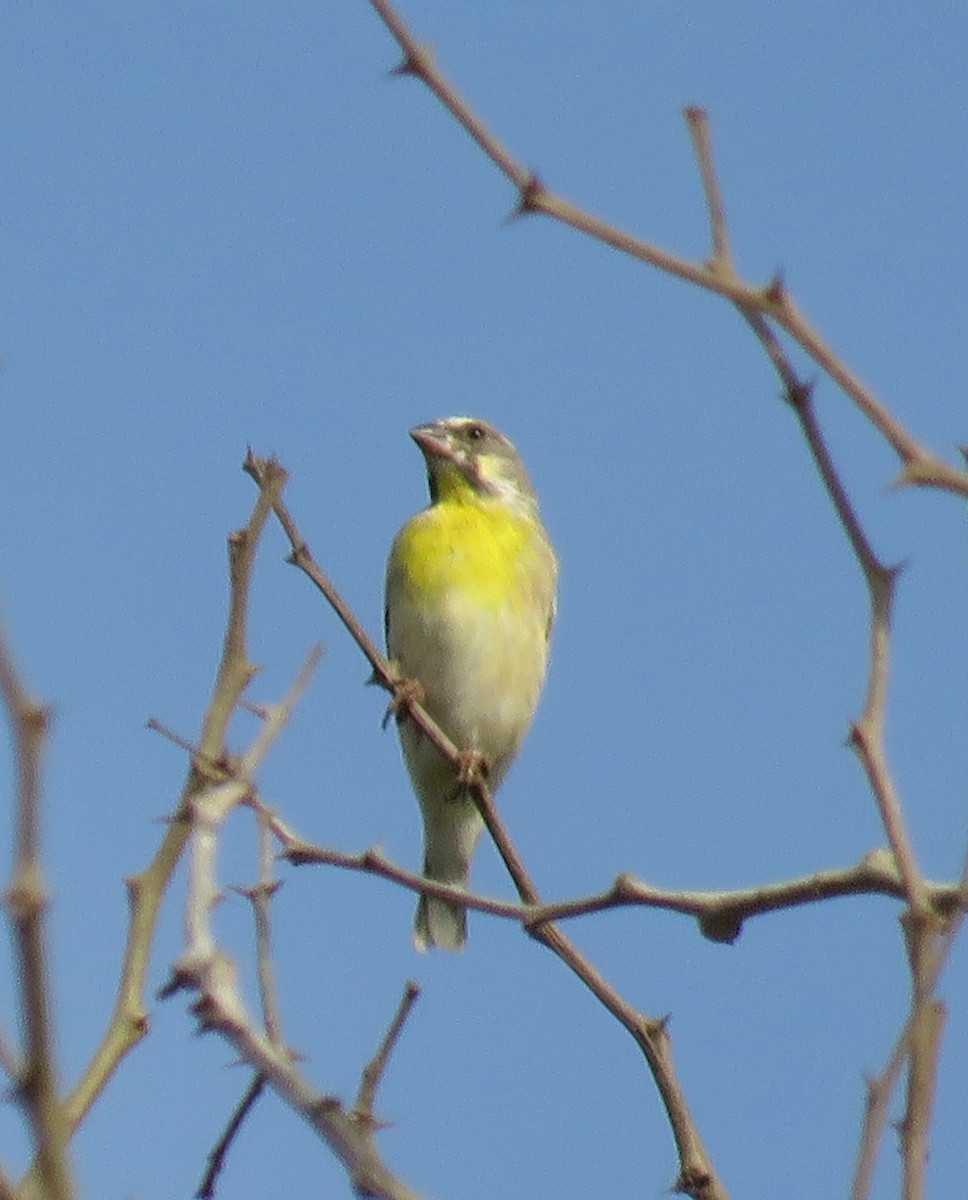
column 472, row 769
column 405, row 692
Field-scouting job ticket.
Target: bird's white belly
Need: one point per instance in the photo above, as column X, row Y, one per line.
column 481, row 677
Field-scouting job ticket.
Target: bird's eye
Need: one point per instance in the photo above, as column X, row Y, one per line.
column 475, row 433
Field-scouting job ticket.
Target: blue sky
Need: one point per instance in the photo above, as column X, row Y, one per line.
column 224, row 225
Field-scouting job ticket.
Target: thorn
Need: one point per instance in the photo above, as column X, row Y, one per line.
column 529, row 196
column 178, row 981
column 206, row 1015
column 418, row 62
column 799, row 395
column 775, row 291
column 659, row 1026
column 298, row 554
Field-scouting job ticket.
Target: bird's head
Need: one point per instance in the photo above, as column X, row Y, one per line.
column 467, row 459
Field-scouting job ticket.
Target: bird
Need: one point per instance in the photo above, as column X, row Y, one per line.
column 471, row 594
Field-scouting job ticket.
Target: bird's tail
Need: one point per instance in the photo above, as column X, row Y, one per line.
column 439, row 923
column 451, row 831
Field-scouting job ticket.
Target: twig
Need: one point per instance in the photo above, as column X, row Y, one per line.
column 259, row 897
column 880, row 1090
column 720, row 914
column 301, row 852
column 210, row 809
column 204, row 968
column 217, row 1156
column 375, row 1069
column 26, row 900
column 260, row 471
column 922, row 1080
column 702, row 144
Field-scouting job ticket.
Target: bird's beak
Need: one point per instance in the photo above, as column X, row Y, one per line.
column 433, row 441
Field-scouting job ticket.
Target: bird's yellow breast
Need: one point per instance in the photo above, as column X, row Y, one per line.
column 482, row 550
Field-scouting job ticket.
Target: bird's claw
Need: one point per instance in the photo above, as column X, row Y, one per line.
column 472, row 768
column 405, row 692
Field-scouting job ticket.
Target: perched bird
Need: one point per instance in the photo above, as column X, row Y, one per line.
column 470, row 601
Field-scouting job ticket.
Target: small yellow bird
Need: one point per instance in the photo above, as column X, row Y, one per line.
column 470, row 602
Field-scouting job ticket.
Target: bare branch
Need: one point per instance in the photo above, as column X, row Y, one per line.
column 217, row 784
column 919, row 465
column 375, row 1069
column 720, row 914
column 219, row 1152
column 922, row 1079
column 259, row 897
column 867, row 734
column 26, row 901
column 698, row 123
column 203, row 967
column 881, row 1089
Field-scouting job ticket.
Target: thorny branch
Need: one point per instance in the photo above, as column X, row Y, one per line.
column 773, row 300
column 922, row 924
column 375, row 1069
column 259, row 897
column 26, row 901
column 720, row 915
column 203, row 967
